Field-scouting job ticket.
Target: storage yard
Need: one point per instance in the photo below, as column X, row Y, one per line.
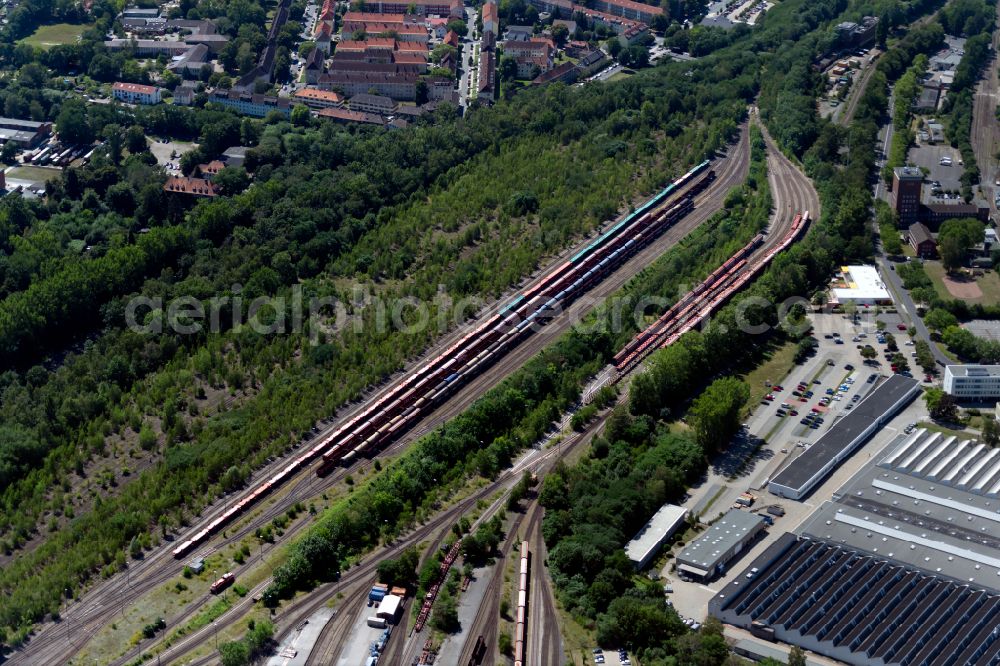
column 373, row 625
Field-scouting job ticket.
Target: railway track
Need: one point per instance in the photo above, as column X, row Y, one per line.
column 58, row 642
column 985, row 128
column 544, row 640
column 731, row 173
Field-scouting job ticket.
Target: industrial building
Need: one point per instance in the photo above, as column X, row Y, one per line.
column 930, row 504
column 860, row 285
column 646, row 544
column 902, row 566
column 860, row 608
column 798, row 479
column 708, row 555
column 24, row 133
column 972, row 383
column 388, row 608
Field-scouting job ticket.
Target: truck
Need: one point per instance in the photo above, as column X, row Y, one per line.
column 776, row 510
column 378, row 592
column 761, row 630
column 224, row 582
column 377, row 622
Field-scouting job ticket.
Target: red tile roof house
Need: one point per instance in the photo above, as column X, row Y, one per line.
column 134, row 93
column 208, row 171
column 195, row 187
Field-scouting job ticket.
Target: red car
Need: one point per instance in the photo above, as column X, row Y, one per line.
column 769, row 397
column 224, row 582
column 901, row 327
column 778, row 388
column 794, row 412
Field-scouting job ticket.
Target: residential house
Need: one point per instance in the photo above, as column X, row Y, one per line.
column 533, row 57
column 451, row 8
column 349, row 116
column 921, row 240
column 184, row 95
column 313, row 66
column 250, row 104
column 323, row 36
column 209, row 171
column 190, row 186
column 135, row 93
column 487, row 67
column 319, row 99
column 491, row 17
column 379, row 104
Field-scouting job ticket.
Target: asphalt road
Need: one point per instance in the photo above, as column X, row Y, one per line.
column 905, row 304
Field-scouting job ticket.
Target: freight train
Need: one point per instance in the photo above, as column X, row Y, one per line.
column 520, row 626
column 718, row 288
column 422, row 390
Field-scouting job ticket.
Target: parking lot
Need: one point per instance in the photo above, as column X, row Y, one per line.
column 770, row 441
column 611, row 657
column 928, row 156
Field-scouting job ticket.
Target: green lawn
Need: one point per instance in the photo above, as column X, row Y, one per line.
column 989, row 284
column 32, row 173
column 778, row 363
column 58, row 33
column 618, row 76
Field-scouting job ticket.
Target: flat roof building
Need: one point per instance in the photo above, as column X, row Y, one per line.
column 861, row 285
column 24, row 133
column 646, row 544
column 707, row 555
column 388, row 608
column 860, row 608
column 800, row 476
column 907, row 182
column 972, row 382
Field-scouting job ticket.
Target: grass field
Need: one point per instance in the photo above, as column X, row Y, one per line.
column 989, row 284
column 52, row 35
column 32, row 173
column 778, row 363
column 618, row 76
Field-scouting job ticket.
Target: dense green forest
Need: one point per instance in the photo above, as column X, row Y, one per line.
column 112, row 436
column 126, row 434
